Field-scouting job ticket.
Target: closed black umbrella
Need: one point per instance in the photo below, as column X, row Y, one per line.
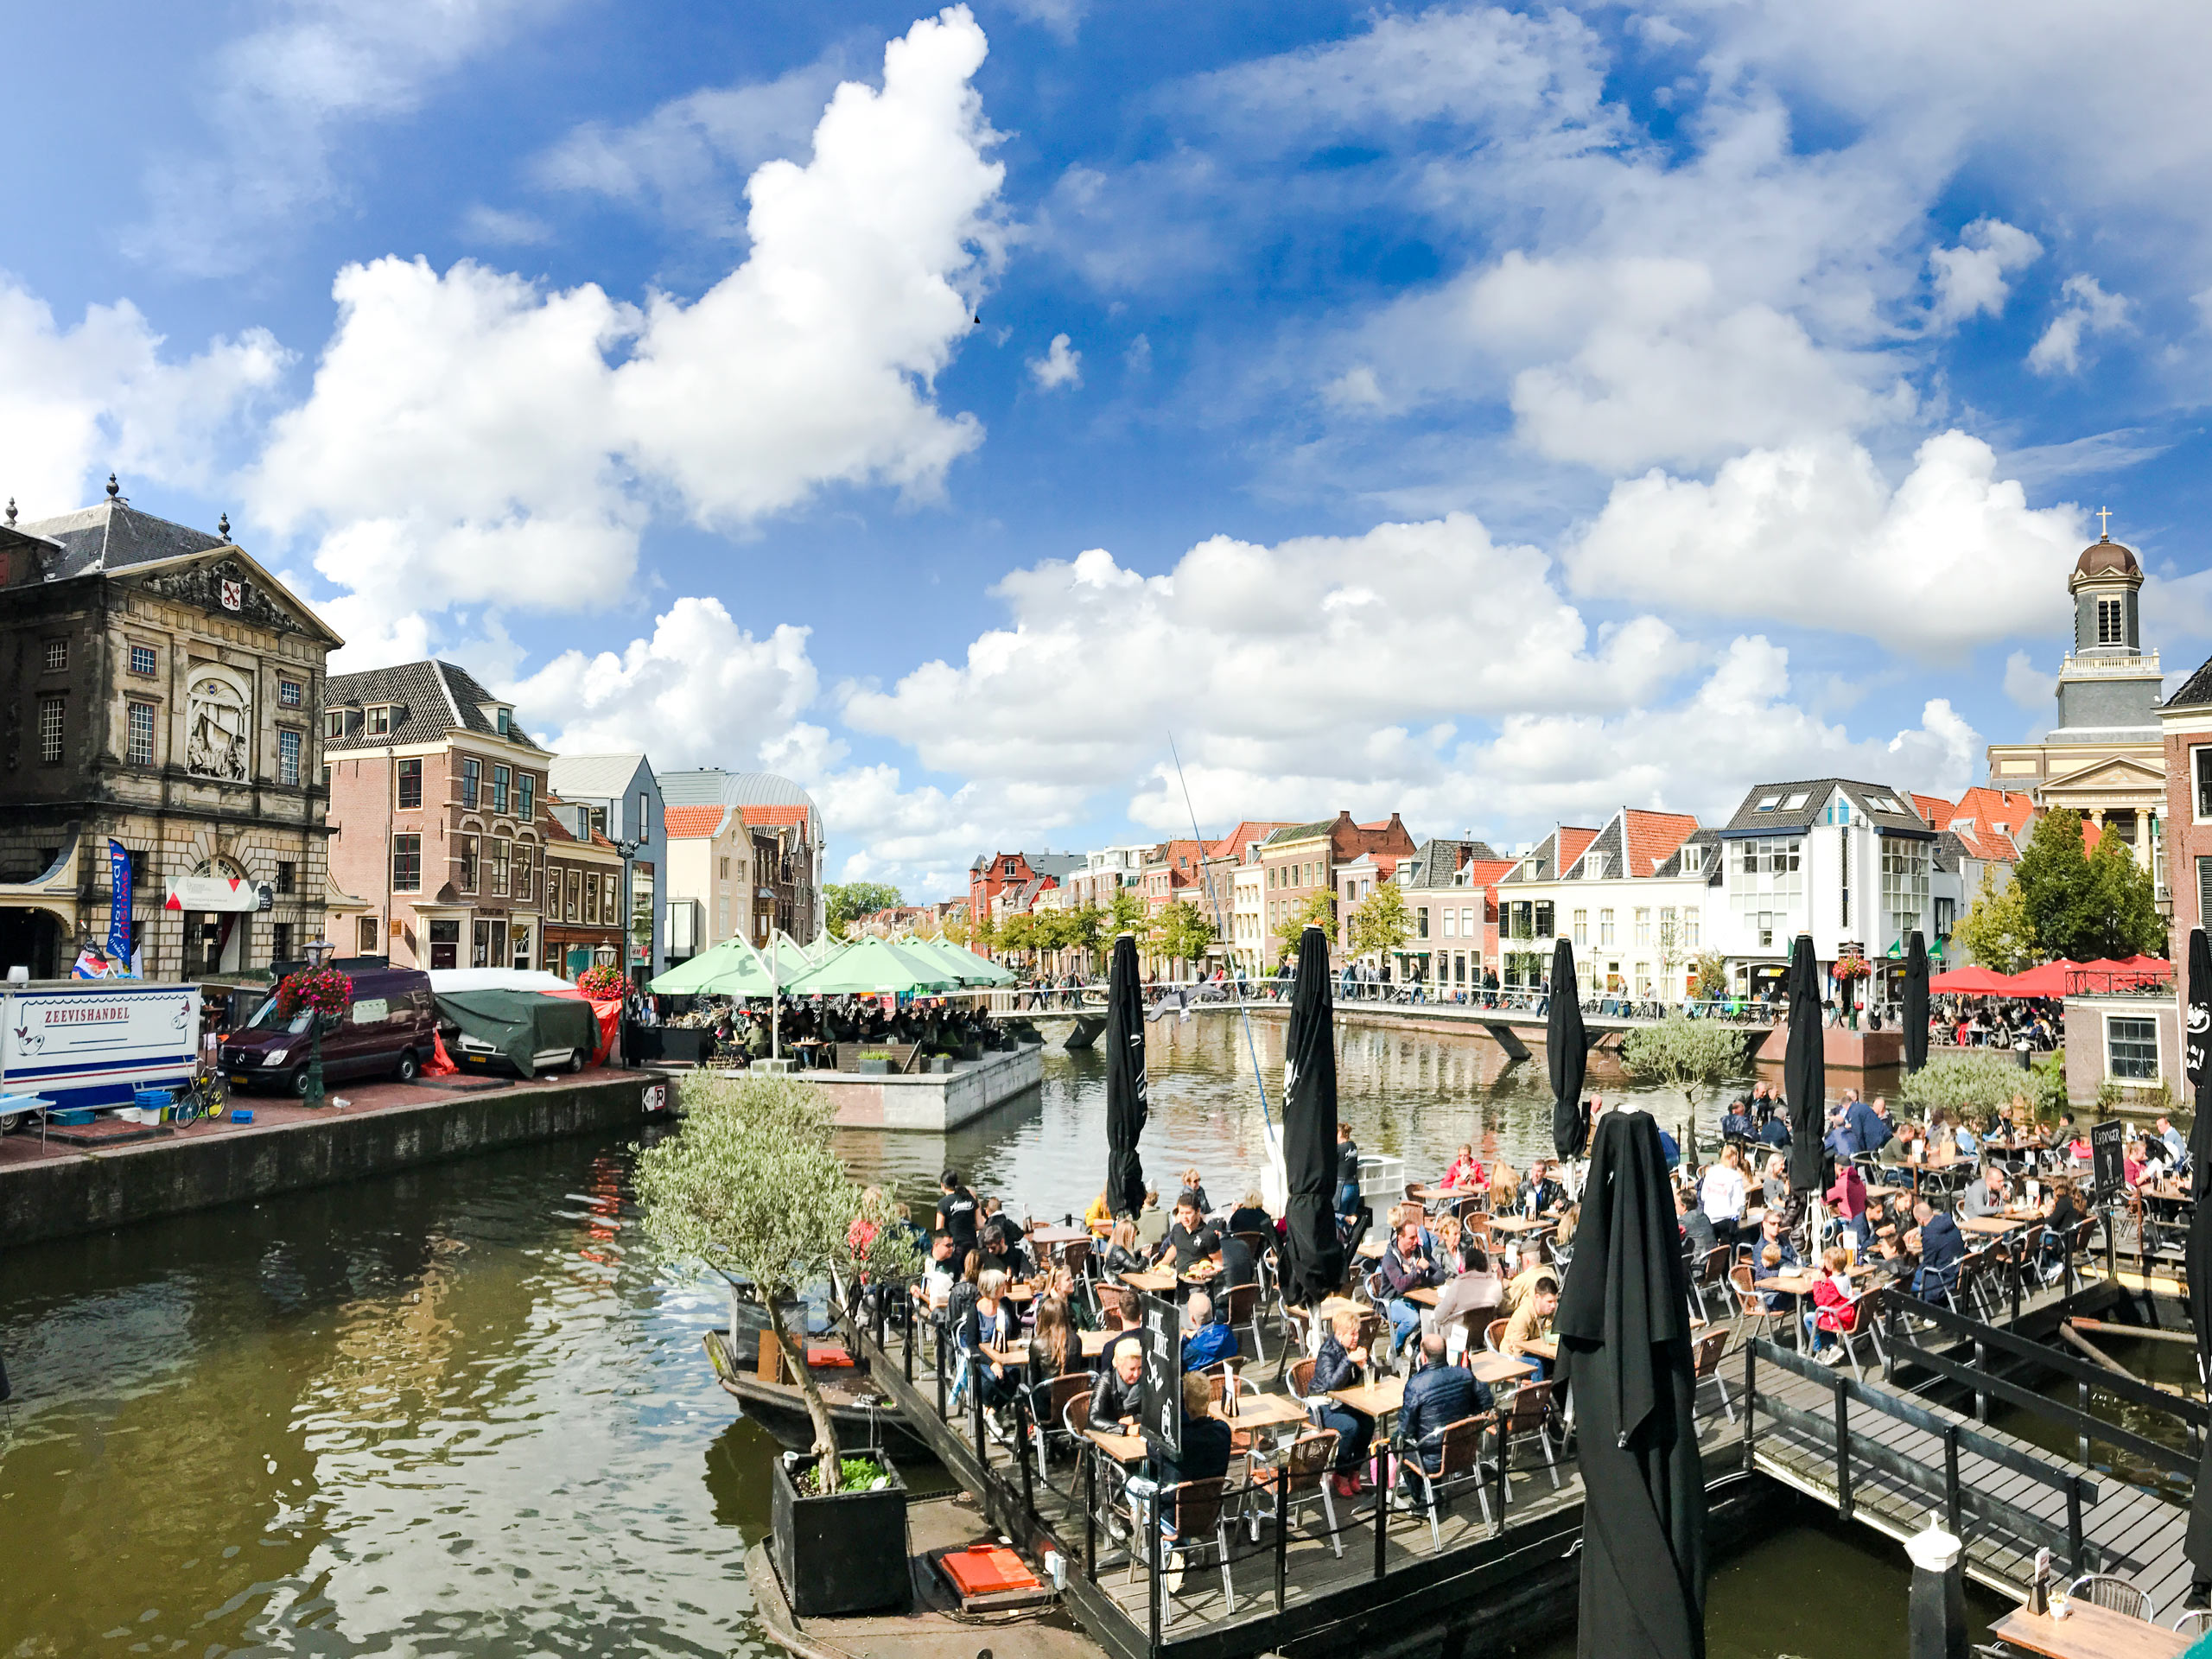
column 1309, row 1130
column 1568, row 1050
column 1624, row 1347
column 1127, row 1105
column 1916, row 1002
column 1804, row 1070
column 2197, row 1066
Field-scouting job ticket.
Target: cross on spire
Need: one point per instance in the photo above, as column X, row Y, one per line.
column 2104, row 524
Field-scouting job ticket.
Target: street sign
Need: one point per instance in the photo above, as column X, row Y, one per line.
column 2107, row 1156
column 1163, row 1374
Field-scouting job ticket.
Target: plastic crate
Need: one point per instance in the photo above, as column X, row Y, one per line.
column 985, row 1570
column 155, row 1100
column 75, row 1118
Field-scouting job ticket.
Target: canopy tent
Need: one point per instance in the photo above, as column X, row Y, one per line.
column 872, row 968
column 963, row 965
column 2048, row 979
column 1972, row 981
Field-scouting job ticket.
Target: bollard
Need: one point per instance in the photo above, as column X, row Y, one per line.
column 1938, row 1616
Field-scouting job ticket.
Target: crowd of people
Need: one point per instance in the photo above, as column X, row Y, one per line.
column 808, row 1029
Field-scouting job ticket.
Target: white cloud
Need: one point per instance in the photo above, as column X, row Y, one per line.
column 1059, row 366
column 699, row 692
column 281, row 100
column 1970, row 277
column 2089, row 310
column 505, row 228
column 468, row 440
column 1356, row 388
column 78, row 402
column 2028, row 685
column 1815, row 536
column 1062, row 17
column 690, row 155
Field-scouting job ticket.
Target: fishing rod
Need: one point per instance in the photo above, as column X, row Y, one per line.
column 1251, row 1043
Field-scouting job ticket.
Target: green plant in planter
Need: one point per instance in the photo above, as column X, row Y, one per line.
column 751, row 1189
column 1980, row 1081
column 854, row 1474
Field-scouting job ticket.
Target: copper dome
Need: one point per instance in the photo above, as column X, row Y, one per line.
column 2106, row 558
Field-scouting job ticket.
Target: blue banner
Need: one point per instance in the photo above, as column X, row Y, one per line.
column 118, row 927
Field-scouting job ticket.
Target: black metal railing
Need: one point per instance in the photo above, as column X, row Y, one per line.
column 1847, row 1450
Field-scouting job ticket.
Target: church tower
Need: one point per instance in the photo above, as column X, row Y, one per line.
column 2108, row 689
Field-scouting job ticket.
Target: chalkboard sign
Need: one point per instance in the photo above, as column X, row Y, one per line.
column 1163, row 1374
column 2107, row 1156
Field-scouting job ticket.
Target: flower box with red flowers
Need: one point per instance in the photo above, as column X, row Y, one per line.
column 326, row 990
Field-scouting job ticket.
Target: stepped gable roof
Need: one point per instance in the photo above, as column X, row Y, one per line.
column 114, row 535
column 1796, row 807
column 428, row 700
column 694, row 823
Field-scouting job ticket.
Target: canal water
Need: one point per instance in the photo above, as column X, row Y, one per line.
column 455, row 1413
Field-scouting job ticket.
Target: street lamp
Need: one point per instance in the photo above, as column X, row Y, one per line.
column 629, row 850
column 319, row 953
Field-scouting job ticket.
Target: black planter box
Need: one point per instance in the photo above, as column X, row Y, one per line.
column 843, row 1553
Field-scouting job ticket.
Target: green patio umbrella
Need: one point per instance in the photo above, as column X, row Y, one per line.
column 963, row 965
column 732, row 968
column 871, row 968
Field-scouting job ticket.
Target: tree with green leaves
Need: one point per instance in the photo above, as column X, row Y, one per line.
column 1018, row 931
column 2123, row 904
column 1712, row 971
column 2082, row 907
column 1085, row 927
column 1125, row 913
column 1317, row 909
column 958, row 931
column 1995, row 931
column 849, row 901
column 749, row 1188
column 1688, row 1055
column 1381, row 923
column 1181, row 931
column 1978, row 1081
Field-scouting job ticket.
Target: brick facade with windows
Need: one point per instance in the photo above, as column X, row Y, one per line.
column 429, row 776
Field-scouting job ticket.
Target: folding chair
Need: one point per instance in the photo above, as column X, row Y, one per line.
column 1299, row 1478
column 1459, row 1449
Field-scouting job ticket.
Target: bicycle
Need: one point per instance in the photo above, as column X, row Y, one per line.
column 202, row 1100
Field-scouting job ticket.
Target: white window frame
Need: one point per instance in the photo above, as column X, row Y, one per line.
column 2200, row 769
column 2157, row 1057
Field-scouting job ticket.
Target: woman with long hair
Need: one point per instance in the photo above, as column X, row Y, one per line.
column 1054, row 1349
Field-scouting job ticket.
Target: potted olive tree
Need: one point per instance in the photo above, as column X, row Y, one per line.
column 750, row 1189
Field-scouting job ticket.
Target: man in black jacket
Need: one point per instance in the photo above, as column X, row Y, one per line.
column 1941, row 1245
column 1437, row 1396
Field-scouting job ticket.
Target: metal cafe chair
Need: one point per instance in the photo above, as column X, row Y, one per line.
column 1458, row 1448
column 1205, row 1514
column 2112, row 1593
column 2197, row 1622
column 1533, row 1408
column 1705, row 1367
column 1244, row 1310
column 1299, row 1479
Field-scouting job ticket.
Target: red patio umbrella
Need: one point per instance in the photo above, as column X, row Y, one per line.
column 1972, row 981
column 2050, row 979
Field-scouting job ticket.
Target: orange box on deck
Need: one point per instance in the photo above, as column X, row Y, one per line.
column 985, row 1570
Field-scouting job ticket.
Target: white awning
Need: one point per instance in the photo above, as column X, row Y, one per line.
column 217, row 892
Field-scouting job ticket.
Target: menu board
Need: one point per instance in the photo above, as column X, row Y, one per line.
column 1163, row 1374
column 2107, row 1156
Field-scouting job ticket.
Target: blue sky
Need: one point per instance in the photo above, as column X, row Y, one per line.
column 1497, row 416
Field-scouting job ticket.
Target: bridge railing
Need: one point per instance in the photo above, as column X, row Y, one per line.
column 1091, row 996
column 1847, row 1450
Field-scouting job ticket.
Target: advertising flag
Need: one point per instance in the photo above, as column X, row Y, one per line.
column 118, row 926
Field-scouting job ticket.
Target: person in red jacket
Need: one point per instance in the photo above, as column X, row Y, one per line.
column 1833, row 1306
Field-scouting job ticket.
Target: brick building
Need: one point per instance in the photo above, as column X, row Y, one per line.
column 161, row 689
column 436, row 799
column 786, row 891
column 582, row 903
column 1301, row 859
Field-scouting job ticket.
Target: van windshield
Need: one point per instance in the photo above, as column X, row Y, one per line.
column 266, row 1017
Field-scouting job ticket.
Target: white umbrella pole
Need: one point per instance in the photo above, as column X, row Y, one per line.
column 775, row 1000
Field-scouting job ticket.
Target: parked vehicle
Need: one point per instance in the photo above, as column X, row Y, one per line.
column 389, row 1030
column 524, row 1032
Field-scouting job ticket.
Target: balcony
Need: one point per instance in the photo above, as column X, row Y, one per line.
column 2103, row 667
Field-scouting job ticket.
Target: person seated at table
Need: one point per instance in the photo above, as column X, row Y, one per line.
column 992, row 1323
column 1338, row 1366
column 1870, row 1126
column 1569, row 1219
column 1408, row 1266
column 1963, row 1139
column 1775, row 1132
column 1460, row 1248
column 1832, row 1310
column 1054, row 1350
column 1060, row 1280
column 1204, row 1342
column 1531, row 1322
column 1003, row 1249
column 1197, row 1189
column 1466, row 1170
column 2171, row 1138
column 1939, row 1244
column 1437, row 1396
column 1190, row 1239
column 1774, row 1183
column 2062, row 1217
column 961, row 1300
column 1123, row 1253
column 1205, row 1455
column 1099, row 1218
column 1541, row 1195
column 1775, row 1253
column 1152, row 1220
column 1736, row 1124
column 1117, row 1397
column 1987, row 1196
column 934, row 1285
column 1721, row 1194
column 1504, row 1189
column 1847, row 1197
column 1696, row 1228
column 1518, row 1288
column 1250, row 1215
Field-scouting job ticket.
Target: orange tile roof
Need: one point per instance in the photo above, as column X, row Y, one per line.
column 1486, row 872
column 774, row 815
column 1651, row 837
column 688, row 822
column 1572, row 843
column 2002, row 810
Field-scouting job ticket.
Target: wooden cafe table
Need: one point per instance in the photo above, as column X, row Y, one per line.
column 1155, row 1279
column 2088, row 1632
column 1122, row 1448
column 1788, row 1283
column 1543, row 1348
column 1992, row 1225
column 1095, row 1343
column 1263, row 1411
column 1052, row 1238
column 1494, row 1368
column 1378, row 1400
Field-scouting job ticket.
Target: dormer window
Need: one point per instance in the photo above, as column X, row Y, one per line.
column 505, row 717
column 1594, row 866
column 1693, row 859
column 379, row 719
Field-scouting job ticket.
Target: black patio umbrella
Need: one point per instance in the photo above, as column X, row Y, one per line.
column 1916, row 1002
column 1804, row 1070
column 1624, row 1348
column 2196, row 1544
column 1309, row 1130
column 1568, row 1051
column 1127, row 1105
